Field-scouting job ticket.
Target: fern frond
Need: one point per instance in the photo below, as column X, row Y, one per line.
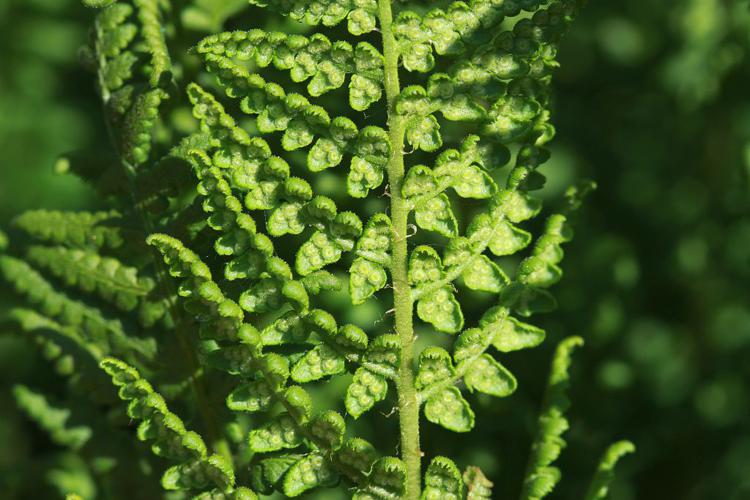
column 605, row 472
column 259, row 253
column 437, row 374
column 90, row 272
column 293, row 205
column 453, row 31
column 240, row 352
column 52, row 420
column 132, row 111
column 302, row 122
column 386, row 480
column 478, row 369
column 150, row 16
column 462, row 170
column 108, row 335
column 114, row 35
column 75, row 229
column 196, row 469
column 361, row 14
column 432, row 276
column 325, row 63
column 367, row 274
column 443, row 480
column 139, row 123
column 98, row 4
column 541, row 476
column 62, row 346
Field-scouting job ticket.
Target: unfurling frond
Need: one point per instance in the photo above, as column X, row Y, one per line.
column 443, row 480
column 605, row 473
column 195, row 469
column 541, row 476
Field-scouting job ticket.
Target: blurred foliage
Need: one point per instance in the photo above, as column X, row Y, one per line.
column 652, row 103
column 47, row 106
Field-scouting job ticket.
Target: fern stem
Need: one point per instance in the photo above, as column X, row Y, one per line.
column 408, row 405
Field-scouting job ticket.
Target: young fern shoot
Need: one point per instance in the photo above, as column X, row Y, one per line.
column 438, row 102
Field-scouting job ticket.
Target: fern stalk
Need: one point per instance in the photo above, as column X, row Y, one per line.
column 408, row 405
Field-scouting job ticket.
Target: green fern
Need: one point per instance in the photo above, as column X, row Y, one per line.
column 542, row 477
column 74, row 229
column 605, row 473
column 51, row 419
column 246, row 246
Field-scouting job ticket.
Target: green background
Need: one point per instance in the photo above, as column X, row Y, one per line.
column 651, row 102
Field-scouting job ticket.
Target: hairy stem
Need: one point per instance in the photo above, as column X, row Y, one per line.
column 408, row 405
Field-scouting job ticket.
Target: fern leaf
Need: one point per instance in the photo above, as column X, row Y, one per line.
column 310, row 472
column 325, row 63
column 453, row 31
column 133, row 112
column 75, row 229
column 139, row 124
column 149, row 14
column 214, row 119
column 268, row 474
column 114, row 36
column 196, row 469
column 367, row 274
column 432, row 276
column 52, row 420
column 366, row 389
column 436, row 303
column 361, row 14
column 256, row 248
column 442, row 480
column 479, row 371
column 97, row 4
column 385, row 481
column 108, row 335
column 541, row 476
column 461, row 170
column 62, row 346
column 605, row 473
column 91, row 273
column 240, row 352
column 301, row 122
